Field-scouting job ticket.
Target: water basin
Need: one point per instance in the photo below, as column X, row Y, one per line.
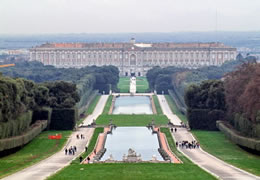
column 132, row 105
column 139, row 139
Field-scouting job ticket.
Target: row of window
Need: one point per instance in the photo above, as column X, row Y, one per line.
column 145, row 55
column 133, row 63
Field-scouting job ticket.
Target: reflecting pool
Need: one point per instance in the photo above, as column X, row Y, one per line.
column 132, row 105
column 139, row 139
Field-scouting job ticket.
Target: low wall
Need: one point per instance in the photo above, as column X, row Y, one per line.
column 238, row 139
column 153, row 105
column 112, row 105
column 23, row 139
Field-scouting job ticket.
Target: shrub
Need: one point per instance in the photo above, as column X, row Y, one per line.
column 63, row 119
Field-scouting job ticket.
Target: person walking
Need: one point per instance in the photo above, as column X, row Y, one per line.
column 175, row 129
column 80, row 159
column 66, row 151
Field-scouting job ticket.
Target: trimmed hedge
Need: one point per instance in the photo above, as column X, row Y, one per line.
column 238, row 139
column 63, row 119
column 89, row 100
column 42, row 114
column 21, row 140
column 180, row 106
column 15, row 127
column 204, row 119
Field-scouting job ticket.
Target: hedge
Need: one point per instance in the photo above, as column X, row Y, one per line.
column 237, row 138
column 42, row 114
column 180, row 106
column 16, row 127
column 90, row 98
column 23, row 139
column 63, row 119
column 204, row 119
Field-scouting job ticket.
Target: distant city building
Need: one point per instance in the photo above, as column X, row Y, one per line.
column 133, row 58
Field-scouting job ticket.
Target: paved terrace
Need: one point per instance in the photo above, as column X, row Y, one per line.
column 206, row 161
column 51, row 165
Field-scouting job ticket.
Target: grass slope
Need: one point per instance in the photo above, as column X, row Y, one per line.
column 138, row 171
column 132, row 120
column 174, row 109
column 215, row 143
column 38, row 149
column 124, row 84
column 108, row 105
column 93, row 104
column 157, row 104
column 142, row 85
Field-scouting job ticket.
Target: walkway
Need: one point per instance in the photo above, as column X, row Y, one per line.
column 208, row 162
column 167, row 110
column 98, row 110
column 51, row 165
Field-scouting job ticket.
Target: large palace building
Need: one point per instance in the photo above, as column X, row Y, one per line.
column 133, row 58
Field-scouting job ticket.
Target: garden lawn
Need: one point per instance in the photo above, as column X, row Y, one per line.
column 129, row 171
column 142, row 85
column 38, row 149
column 108, row 105
column 124, row 84
column 174, row 109
column 132, row 120
column 215, row 143
column 157, row 104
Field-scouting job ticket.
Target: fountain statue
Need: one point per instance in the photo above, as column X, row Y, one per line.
column 154, row 158
column 110, row 157
column 132, row 156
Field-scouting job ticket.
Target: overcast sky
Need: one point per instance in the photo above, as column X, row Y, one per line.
column 112, row 16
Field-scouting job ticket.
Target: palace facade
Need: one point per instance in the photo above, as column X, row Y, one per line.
column 133, row 58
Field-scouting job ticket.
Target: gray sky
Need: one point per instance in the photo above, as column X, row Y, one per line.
column 112, row 16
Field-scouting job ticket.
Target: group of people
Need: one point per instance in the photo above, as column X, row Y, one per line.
column 81, row 136
column 175, row 130
column 71, row 151
column 188, row 145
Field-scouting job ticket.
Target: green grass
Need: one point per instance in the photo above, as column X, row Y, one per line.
column 108, row 105
column 129, row 171
column 215, row 143
column 142, row 85
column 93, row 104
column 157, row 104
column 132, row 120
column 124, row 84
column 38, row 149
column 174, row 109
